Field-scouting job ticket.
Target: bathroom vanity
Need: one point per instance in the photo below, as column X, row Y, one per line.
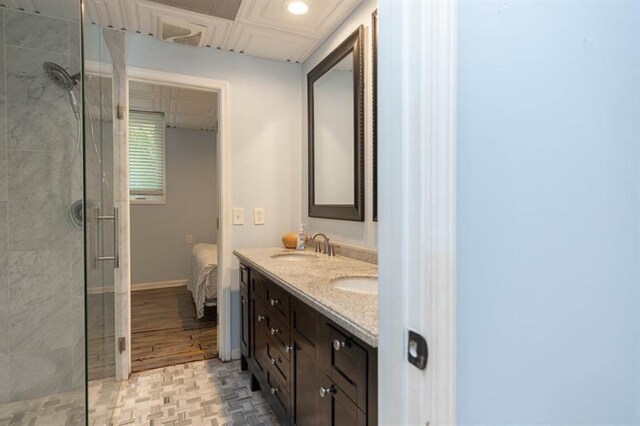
column 309, row 345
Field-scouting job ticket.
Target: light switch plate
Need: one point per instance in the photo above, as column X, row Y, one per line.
column 238, row 216
column 189, row 239
column 259, row 216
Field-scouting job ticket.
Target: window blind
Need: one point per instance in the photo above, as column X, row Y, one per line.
column 146, row 153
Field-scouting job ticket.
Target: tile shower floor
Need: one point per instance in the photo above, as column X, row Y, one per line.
column 198, row 393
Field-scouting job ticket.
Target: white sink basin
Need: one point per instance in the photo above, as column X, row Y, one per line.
column 361, row 285
column 294, row 256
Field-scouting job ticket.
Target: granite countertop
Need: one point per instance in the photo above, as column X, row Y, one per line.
column 310, row 280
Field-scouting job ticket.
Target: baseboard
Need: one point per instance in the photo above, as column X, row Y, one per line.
column 159, row 284
column 236, row 353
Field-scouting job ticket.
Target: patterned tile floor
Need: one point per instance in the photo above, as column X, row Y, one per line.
column 198, row 393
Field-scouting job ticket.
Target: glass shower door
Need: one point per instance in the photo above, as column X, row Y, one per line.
column 101, row 257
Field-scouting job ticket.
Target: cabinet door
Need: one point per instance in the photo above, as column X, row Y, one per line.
column 260, row 323
column 246, row 321
column 306, row 396
column 337, row 409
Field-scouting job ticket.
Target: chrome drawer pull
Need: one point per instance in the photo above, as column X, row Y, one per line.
column 289, row 348
column 324, row 391
column 261, row 318
column 337, row 345
column 274, row 361
column 275, row 390
column 274, row 302
column 274, row 331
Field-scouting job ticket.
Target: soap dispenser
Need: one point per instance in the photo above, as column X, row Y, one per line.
column 302, row 238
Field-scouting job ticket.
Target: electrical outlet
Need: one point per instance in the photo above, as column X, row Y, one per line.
column 238, row 216
column 259, row 216
column 189, row 239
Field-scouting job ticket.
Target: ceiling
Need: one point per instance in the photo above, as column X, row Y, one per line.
column 226, row 9
column 262, row 28
column 183, row 108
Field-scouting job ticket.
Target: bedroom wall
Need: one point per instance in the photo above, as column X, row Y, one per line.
column 159, row 249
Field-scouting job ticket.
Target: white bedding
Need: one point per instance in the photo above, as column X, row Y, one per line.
column 203, row 283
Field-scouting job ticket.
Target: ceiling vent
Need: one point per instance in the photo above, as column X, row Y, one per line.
column 181, row 32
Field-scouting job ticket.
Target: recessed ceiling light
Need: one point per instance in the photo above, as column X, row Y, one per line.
column 297, row 8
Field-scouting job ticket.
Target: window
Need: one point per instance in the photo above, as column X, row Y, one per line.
column 146, row 157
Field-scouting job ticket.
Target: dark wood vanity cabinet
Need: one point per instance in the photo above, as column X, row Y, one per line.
column 311, row 371
column 244, row 312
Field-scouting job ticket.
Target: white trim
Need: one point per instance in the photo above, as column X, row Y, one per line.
column 149, row 199
column 223, row 88
column 417, row 101
column 158, row 284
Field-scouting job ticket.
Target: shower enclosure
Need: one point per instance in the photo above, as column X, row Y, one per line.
column 57, row 260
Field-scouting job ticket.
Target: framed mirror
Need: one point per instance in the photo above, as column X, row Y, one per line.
column 335, row 96
column 374, row 102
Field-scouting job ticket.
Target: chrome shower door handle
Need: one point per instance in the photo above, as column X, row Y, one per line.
column 116, row 250
column 116, row 236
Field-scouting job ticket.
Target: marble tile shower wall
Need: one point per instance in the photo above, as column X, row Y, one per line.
column 41, row 252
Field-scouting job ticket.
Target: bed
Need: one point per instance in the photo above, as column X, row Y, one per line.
column 203, row 283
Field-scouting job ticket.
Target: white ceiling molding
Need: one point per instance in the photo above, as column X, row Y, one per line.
column 145, row 17
column 278, row 45
column 183, row 108
column 262, row 28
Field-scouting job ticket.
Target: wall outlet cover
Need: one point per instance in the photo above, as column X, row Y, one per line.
column 189, row 239
column 238, row 216
column 259, row 216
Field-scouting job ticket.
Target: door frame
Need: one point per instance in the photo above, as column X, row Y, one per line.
column 417, row 138
column 223, row 173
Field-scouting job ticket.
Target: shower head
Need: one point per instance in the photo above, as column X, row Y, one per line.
column 61, row 78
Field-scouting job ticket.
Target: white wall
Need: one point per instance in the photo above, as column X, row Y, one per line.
column 265, row 129
column 159, row 251
column 548, row 280
column 364, row 234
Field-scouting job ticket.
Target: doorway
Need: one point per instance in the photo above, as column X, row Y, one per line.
column 173, row 224
column 179, row 270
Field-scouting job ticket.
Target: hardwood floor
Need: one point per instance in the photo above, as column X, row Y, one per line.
column 164, row 329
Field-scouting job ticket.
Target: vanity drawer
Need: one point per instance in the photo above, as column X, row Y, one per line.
column 277, row 389
column 279, row 301
column 278, row 363
column 336, row 407
column 279, row 333
column 348, row 366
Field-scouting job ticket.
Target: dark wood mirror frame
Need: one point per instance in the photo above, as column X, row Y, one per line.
column 374, row 90
column 353, row 212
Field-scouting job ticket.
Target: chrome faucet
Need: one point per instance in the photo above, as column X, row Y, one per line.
column 328, row 247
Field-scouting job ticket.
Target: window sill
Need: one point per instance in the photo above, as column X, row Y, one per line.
column 147, row 199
